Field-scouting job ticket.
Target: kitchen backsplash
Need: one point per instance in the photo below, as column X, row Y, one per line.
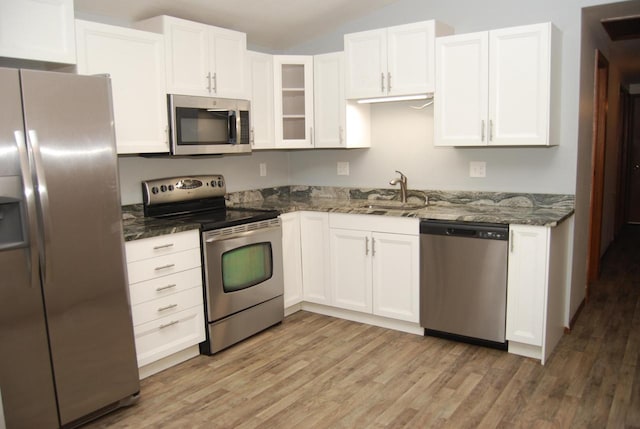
column 504, row 199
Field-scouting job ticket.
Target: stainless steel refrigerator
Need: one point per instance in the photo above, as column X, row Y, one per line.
column 66, row 337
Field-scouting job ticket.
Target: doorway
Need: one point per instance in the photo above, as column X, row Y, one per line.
column 632, row 194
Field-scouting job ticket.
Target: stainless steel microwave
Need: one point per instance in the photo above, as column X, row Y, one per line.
column 207, row 125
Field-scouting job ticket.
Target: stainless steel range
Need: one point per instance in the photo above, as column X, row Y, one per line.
column 242, row 255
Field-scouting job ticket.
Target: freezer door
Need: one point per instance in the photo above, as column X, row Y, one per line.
column 26, row 381
column 70, row 132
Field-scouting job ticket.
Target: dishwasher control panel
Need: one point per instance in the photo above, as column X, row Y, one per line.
column 484, row 231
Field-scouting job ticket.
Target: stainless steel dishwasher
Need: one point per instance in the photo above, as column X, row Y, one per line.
column 463, row 281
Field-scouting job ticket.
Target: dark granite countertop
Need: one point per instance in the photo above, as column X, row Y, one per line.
column 484, row 207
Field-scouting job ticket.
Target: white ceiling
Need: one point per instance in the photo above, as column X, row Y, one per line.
column 272, row 24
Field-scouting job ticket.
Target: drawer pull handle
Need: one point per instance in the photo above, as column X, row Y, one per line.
column 163, row 246
column 164, row 267
column 166, row 325
column 167, row 307
column 161, row 288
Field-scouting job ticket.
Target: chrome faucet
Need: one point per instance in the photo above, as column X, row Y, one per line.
column 402, row 180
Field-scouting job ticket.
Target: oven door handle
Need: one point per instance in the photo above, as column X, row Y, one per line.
column 213, row 236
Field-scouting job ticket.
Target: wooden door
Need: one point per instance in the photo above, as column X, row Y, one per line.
column 601, row 79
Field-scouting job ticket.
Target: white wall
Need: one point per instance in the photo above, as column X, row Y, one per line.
column 241, row 172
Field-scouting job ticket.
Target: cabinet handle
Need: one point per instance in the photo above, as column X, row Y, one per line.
column 163, row 246
column 382, row 82
column 373, row 246
column 389, row 82
column 161, row 288
column 311, row 135
column 166, row 325
column 209, row 80
column 164, row 267
column 482, row 130
column 252, row 136
column 215, row 83
column 167, row 307
column 511, row 240
column 166, row 135
column 490, row 130
column 340, row 136
column 366, row 245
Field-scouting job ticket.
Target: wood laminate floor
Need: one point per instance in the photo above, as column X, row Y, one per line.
column 314, row 371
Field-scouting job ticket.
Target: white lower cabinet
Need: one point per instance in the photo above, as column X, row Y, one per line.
column 165, row 287
column 314, row 241
column 291, row 258
column 375, row 265
column 537, row 283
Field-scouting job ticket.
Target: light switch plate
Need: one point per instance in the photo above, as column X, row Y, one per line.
column 477, row 169
column 263, row 169
column 343, row 168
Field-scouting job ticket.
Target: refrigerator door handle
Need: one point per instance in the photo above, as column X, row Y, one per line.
column 43, row 197
column 29, row 196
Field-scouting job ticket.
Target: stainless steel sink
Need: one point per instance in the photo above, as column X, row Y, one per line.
column 393, row 205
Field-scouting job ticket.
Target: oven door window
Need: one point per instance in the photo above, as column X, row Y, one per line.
column 246, row 266
column 205, row 127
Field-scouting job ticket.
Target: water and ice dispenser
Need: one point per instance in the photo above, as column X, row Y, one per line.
column 12, row 228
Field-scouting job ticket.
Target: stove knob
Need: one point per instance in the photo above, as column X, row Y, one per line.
column 213, row 183
column 163, row 188
column 220, row 183
column 154, row 190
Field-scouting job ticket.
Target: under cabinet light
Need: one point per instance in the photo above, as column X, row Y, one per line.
column 396, row 98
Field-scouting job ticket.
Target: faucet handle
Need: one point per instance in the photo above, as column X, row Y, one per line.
column 402, row 176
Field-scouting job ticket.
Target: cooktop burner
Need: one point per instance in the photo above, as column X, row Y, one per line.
column 199, row 199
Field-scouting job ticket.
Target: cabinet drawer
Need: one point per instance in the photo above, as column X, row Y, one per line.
column 166, row 306
column 148, row 269
column 162, row 245
column 168, row 335
column 164, row 286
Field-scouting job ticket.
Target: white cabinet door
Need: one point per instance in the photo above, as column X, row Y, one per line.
column 519, row 82
column 410, row 58
column 293, row 97
column 292, row 258
column 461, row 98
column 396, row 276
column 201, row 59
column 527, row 283
column 38, row 30
column 262, row 104
column 314, row 237
column 187, row 49
column 227, row 50
column 351, row 269
column 329, row 101
column 134, row 60
column 366, row 63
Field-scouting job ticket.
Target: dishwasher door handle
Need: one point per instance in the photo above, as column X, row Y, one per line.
column 461, row 232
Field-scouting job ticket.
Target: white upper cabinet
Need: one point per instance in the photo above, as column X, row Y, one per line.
column 38, row 30
column 495, row 88
column 134, row 59
column 201, row 59
column 339, row 123
column 293, row 100
column 261, row 89
column 392, row 61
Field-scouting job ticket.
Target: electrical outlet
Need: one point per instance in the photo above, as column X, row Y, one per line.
column 343, row 168
column 263, row 169
column 477, row 169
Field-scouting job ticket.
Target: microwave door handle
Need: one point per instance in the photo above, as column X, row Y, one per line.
column 233, row 127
